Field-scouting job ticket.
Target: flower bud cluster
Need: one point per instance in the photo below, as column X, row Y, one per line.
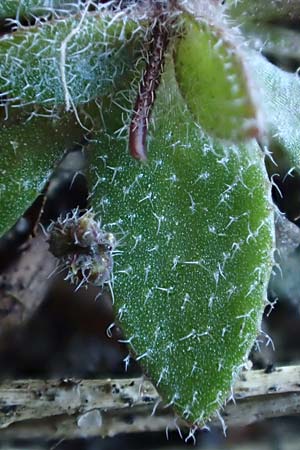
column 84, row 248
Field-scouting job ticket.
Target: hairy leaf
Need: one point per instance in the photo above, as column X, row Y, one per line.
column 195, row 234
column 31, row 8
column 67, row 61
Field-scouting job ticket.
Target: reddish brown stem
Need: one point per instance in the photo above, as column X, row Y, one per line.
column 147, row 89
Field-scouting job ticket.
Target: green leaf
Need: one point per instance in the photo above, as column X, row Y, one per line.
column 67, row 61
column 195, row 232
column 274, row 41
column 264, row 10
column 213, row 80
column 279, row 93
column 28, row 153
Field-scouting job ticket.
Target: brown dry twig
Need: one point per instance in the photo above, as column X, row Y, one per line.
column 74, row 408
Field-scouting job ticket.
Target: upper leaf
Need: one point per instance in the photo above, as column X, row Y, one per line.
column 31, row 8
column 67, row 61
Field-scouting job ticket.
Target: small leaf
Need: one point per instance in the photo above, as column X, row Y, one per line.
column 28, row 153
column 276, row 42
column 195, row 233
column 279, row 93
column 213, row 80
column 264, row 10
